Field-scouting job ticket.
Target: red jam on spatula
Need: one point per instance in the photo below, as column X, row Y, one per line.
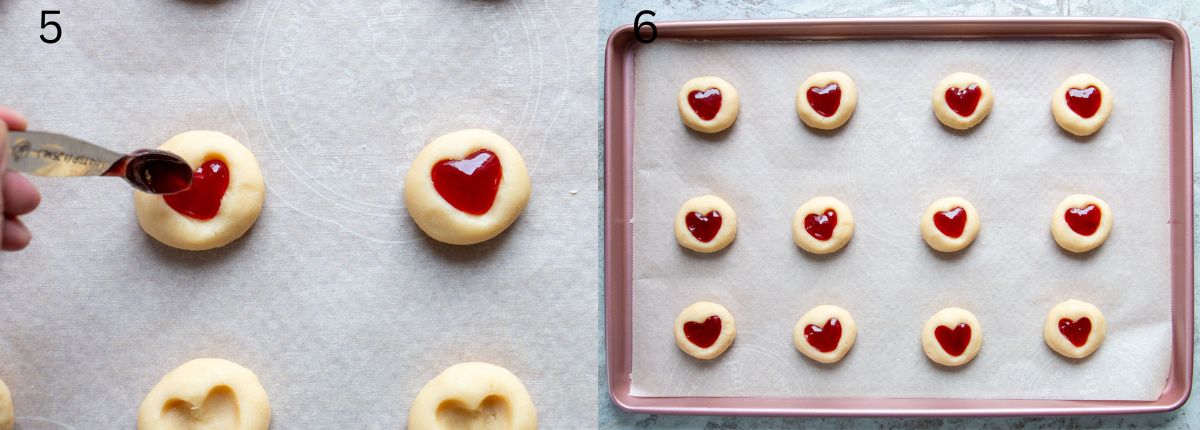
column 469, row 184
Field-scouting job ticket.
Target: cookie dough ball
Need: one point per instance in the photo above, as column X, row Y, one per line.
column 825, row 333
column 475, row 396
column 705, row 224
column 962, row 100
column 1081, row 104
column 708, row 104
column 206, row 393
column 826, row 100
column 466, row 187
column 822, row 225
column 1074, row 329
column 950, row 224
column 6, row 408
column 1081, row 223
column 223, row 202
column 704, row 330
column 952, row 337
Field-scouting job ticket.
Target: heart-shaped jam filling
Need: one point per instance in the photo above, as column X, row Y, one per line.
column 951, row 223
column 706, row 103
column 703, row 334
column 1076, row 331
column 1085, row 102
column 469, row 184
column 825, row 100
column 963, row 101
column 826, row 338
column 821, row 226
column 703, row 227
column 203, row 200
column 1085, row 220
column 955, row 341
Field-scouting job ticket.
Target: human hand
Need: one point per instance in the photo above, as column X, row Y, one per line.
column 18, row 196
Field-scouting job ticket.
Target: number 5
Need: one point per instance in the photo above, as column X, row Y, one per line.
column 57, row 28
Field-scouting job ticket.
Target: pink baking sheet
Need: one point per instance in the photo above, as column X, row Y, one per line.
column 618, row 209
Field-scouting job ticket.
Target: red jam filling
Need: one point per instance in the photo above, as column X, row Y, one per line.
column 963, row 101
column 825, row 100
column 955, row 341
column 703, row 334
column 1076, row 331
column 469, row 184
column 203, row 200
column 706, row 103
column 820, row 226
column 826, row 338
column 1085, row 102
column 703, row 227
column 1085, row 220
column 951, row 223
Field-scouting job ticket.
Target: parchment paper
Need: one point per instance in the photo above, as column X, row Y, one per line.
column 887, row 164
column 335, row 298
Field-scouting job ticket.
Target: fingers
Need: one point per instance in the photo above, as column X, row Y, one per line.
column 13, row 119
column 20, row 196
column 16, row 236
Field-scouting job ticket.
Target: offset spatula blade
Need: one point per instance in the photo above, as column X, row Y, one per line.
column 51, row 154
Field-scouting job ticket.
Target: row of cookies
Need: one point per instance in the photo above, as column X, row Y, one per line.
column 826, row 100
column 951, row 337
column 824, row 225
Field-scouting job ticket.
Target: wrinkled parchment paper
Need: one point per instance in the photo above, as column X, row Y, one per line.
column 335, row 299
column 891, row 160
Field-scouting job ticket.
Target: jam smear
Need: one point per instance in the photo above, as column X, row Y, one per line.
column 469, row 184
column 955, row 341
column 703, row 334
column 1084, row 102
column 824, row 338
column 964, row 101
column 951, row 223
column 1076, row 331
column 821, row 226
column 1085, row 220
column 703, row 227
column 825, row 100
column 706, row 103
column 202, row 200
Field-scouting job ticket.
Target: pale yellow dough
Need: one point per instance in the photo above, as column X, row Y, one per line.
column 6, row 408
column 240, row 206
column 725, row 116
column 818, row 316
column 951, row 318
column 952, row 119
column 1074, row 310
column 206, row 394
column 1069, row 239
column 445, row 223
column 1071, row 121
column 699, row 312
column 473, row 396
column 703, row 205
column 841, row 232
column 941, row 242
column 849, row 100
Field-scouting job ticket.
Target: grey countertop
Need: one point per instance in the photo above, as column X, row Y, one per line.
column 616, row 13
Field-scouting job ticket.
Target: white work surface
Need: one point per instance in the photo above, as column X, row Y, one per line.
column 335, row 298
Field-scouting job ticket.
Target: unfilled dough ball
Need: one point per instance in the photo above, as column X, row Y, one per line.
column 225, row 199
column 206, row 393
column 705, row 330
column 1081, row 223
column 1074, row 329
column 466, row 187
column 708, row 104
column 1082, row 104
column 952, row 337
column 705, row 224
column 962, row 100
column 826, row 100
column 822, row 225
column 825, row 333
column 6, row 408
column 950, row 224
column 473, row 396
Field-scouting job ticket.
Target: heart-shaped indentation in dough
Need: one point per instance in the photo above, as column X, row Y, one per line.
column 218, row 411
column 955, row 341
column 951, row 223
column 1076, row 331
column 1084, row 102
column 825, row 100
column 490, row 414
column 469, row 184
column 963, row 101
column 703, row 334
column 1085, row 220
column 824, row 338
column 820, row 226
column 705, row 103
column 203, row 200
column 703, row 227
